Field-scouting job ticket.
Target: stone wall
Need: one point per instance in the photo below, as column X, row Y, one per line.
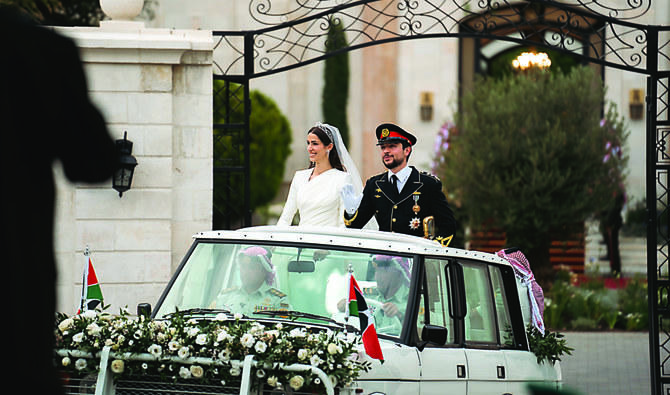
column 156, row 84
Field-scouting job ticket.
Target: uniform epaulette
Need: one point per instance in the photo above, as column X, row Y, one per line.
column 425, row 173
column 277, row 292
column 228, row 290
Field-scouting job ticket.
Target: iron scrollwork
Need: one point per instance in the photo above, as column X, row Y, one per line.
column 294, row 34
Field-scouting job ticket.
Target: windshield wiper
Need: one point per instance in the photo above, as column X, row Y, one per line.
column 198, row 310
column 297, row 314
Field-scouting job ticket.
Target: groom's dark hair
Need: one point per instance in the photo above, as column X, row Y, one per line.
column 334, row 156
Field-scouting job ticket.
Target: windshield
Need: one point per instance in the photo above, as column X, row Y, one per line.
column 255, row 280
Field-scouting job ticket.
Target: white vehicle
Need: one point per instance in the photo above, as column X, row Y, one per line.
column 459, row 321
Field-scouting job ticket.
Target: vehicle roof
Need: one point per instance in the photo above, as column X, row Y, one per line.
column 344, row 237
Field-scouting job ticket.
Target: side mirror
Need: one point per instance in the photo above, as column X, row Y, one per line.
column 144, row 310
column 434, row 334
column 301, row 267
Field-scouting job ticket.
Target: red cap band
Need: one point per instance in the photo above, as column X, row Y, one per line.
column 396, row 134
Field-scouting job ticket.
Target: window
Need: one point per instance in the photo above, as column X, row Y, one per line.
column 505, row 333
column 435, row 310
column 480, row 322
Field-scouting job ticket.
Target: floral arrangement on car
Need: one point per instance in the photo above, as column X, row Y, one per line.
column 179, row 346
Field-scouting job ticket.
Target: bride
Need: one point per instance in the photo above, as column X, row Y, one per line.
column 315, row 192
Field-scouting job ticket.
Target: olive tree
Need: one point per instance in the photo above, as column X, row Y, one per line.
column 529, row 157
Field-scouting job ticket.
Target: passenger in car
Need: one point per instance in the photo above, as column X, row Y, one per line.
column 255, row 292
column 393, row 278
column 388, row 299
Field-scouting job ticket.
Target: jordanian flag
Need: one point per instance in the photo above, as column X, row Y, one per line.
column 358, row 307
column 91, row 294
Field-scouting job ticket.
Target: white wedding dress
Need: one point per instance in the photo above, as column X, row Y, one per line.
column 318, row 200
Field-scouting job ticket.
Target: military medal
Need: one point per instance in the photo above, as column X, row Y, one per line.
column 416, row 208
column 414, row 223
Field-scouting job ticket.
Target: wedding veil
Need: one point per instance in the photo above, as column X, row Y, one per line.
column 348, row 164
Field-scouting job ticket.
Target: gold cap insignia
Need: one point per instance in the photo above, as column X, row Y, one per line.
column 385, row 132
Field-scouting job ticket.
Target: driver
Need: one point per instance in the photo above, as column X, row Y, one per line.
column 393, row 278
column 392, row 275
column 255, row 293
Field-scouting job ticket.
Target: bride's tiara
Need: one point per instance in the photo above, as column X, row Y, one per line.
column 325, row 128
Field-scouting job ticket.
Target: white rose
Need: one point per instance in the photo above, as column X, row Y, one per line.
column 296, row 382
column 302, row 354
column 90, row 314
column 222, row 335
column 173, row 345
column 221, row 317
column 315, row 360
column 238, row 316
column 197, row 371
column 184, row 372
column 80, row 364
column 66, row 324
column 118, row 366
column 332, row 349
column 93, row 329
column 260, row 347
column 235, row 371
column 201, row 339
column 247, row 340
column 109, row 342
column 272, row 381
column 192, row 331
column 297, row 332
column 78, row 337
column 155, row 350
column 65, row 361
column 183, row 352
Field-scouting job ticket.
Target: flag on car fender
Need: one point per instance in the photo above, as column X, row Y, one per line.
column 356, row 306
column 91, row 294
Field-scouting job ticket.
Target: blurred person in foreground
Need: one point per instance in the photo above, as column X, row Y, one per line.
column 45, row 115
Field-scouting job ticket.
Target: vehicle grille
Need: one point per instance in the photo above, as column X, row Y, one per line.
column 78, row 385
column 149, row 385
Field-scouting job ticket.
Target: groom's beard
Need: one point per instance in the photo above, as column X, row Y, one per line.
column 393, row 164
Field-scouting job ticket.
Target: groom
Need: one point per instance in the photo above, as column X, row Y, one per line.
column 401, row 197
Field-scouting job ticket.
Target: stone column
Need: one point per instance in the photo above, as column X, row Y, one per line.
column 156, row 84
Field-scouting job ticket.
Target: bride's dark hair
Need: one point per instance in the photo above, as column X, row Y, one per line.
column 334, row 156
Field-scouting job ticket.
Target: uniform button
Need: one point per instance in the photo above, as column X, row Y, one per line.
column 395, row 207
column 393, row 220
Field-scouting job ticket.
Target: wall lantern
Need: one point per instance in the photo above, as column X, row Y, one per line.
column 426, row 106
column 126, row 162
column 636, row 103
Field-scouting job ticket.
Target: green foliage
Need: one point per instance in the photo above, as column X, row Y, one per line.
column 548, row 347
column 271, row 136
column 336, row 81
column 528, row 157
column 592, row 306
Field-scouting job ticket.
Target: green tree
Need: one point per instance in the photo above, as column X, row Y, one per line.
column 271, row 136
column 528, row 157
column 335, row 93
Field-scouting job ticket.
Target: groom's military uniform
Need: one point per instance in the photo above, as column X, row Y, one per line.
column 404, row 211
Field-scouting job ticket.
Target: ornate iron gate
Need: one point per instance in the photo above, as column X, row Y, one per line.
column 594, row 30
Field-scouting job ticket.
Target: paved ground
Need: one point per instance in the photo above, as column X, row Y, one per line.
column 607, row 363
